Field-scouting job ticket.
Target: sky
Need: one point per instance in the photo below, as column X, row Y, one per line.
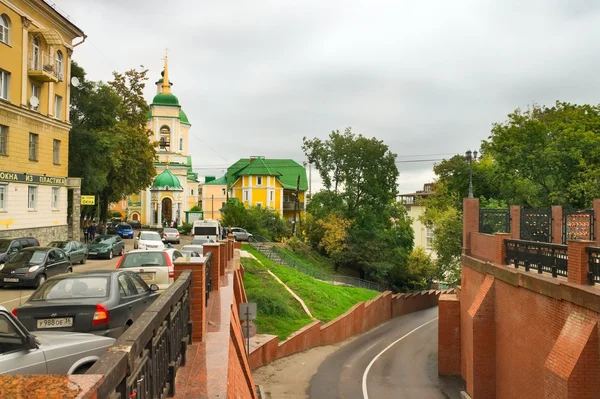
column 428, row 77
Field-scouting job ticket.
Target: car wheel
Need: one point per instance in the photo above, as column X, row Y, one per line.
column 69, row 270
column 84, row 259
column 110, row 254
column 39, row 280
column 82, row 369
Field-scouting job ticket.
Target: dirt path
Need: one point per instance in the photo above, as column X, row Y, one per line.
column 289, row 377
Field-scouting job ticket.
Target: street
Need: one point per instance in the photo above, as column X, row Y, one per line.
column 11, row 297
column 395, row 360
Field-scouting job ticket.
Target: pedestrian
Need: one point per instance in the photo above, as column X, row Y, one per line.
column 93, row 228
column 175, row 224
column 86, row 233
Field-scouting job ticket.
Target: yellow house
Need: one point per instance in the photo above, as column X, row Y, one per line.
column 214, row 196
column 415, row 207
column 269, row 183
column 36, row 45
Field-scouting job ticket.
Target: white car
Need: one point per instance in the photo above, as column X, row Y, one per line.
column 154, row 266
column 148, row 240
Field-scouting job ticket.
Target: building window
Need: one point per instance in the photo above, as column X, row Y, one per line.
column 4, row 81
column 3, row 140
column 3, row 191
column 58, row 107
column 271, row 196
column 259, row 180
column 59, row 64
column 222, row 191
column 56, row 152
column 429, row 238
column 165, row 137
column 55, row 197
column 35, row 54
column 180, row 144
column 35, row 92
column 33, row 146
column 4, row 29
column 246, row 196
column 192, row 191
column 32, row 196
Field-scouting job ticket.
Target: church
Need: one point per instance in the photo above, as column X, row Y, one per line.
column 175, row 187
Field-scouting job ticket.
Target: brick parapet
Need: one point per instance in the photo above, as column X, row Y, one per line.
column 449, row 335
column 515, row 222
column 578, row 266
column 557, row 222
column 197, row 295
column 214, row 265
column 470, row 221
column 222, row 257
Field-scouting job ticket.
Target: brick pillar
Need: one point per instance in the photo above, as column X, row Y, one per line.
column 237, row 245
column 449, row 335
column 499, row 255
column 515, row 222
column 597, row 221
column 214, row 265
column 230, row 240
column 470, row 222
column 222, row 257
column 197, row 296
column 577, row 266
column 557, row 221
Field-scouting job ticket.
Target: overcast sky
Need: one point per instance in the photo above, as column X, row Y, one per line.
column 428, row 77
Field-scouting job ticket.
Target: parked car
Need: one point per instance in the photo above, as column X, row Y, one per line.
column 124, row 230
column 201, row 240
column 75, row 250
column 148, row 240
column 153, row 266
column 103, row 302
column 240, row 234
column 136, row 224
column 192, row 250
column 46, row 352
column 32, row 266
column 10, row 246
column 106, row 246
column 170, row 234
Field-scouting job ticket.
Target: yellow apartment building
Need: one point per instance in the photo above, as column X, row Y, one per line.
column 36, row 45
column 269, row 183
column 415, row 207
column 214, row 196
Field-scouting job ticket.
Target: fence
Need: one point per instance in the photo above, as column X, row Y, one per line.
column 594, row 263
column 147, row 356
column 536, row 225
column 544, row 257
column 277, row 255
column 578, row 225
column 494, row 221
column 207, row 279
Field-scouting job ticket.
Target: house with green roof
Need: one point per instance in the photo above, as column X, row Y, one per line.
column 278, row 184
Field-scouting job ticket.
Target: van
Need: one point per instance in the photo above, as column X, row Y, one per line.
column 210, row 229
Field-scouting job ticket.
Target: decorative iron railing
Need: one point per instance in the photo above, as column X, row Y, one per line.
column 494, row 221
column 145, row 359
column 594, row 265
column 536, row 225
column 578, row 225
column 207, row 279
column 543, row 257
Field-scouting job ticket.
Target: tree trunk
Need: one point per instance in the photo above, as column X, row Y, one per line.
column 104, row 208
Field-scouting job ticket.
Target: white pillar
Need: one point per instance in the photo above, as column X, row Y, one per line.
column 159, row 216
column 67, row 79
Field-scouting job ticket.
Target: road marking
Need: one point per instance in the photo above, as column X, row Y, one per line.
column 15, row 299
column 364, row 379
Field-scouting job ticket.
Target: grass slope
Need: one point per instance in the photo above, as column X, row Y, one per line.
column 309, row 257
column 325, row 301
column 278, row 312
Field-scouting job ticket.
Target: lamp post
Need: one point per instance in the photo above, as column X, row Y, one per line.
column 470, row 156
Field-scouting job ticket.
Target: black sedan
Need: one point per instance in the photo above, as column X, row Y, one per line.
column 75, row 250
column 102, row 302
column 32, row 266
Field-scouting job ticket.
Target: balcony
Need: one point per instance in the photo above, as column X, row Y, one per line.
column 44, row 68
column 289, row 205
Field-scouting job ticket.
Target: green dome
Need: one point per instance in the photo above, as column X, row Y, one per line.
column 149, row 114
column 183, row 117
column 166, row 179
column 165, row 99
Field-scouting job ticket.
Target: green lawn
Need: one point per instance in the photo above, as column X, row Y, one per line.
column 325, row 301
column 311, row 258
column 278, row 312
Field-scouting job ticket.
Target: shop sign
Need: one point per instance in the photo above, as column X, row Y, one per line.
column 29, row 178
column 88, row 200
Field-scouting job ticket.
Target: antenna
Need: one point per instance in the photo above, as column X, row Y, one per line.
column 34, row 101
column 74, row 81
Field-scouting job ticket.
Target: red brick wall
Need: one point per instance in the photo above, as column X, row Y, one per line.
column 470, row 221
column 489, row 247
column 240, row 383
column 557, row 222
column 449, row 335
column 470, row 283
column 264, row 354
column 346, row 325
column 197, row 297
column 515, row 221
column 214, row 265
column 307, row 337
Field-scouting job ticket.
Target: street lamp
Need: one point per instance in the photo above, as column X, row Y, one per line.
column 470, row 156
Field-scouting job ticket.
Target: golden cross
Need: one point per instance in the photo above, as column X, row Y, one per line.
column 166, row 53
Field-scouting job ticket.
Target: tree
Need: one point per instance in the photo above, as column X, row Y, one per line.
column 420, row 268
column 259, row 221
column 335, row 234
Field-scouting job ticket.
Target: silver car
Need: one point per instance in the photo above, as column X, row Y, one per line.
column 240, row 234
column 46, row 352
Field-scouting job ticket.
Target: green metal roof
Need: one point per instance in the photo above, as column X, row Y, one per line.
column 149, row 114
column 165, row 99
column 221, row 181
column 286, row 170
column 166, row 179
column 183, row 117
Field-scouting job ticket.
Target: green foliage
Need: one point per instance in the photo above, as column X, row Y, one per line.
column 185, row 228
column 116, row 214
column 195, row 208
column 420, row 268
column 278, row 312
column 325, row 301
column 258, row 221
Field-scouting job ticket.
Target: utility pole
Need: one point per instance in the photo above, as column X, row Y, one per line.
column 212, row 206
column 296, row 204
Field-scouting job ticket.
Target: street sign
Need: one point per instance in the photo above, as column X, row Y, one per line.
column 88, row 200
column 248, row 330
column 247, row 311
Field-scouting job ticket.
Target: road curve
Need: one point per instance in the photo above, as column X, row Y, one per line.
column 407, row 369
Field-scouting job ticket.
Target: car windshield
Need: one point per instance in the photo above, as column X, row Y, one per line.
column 36, row 257
column 189, row 252
column 71, row 288
column 150, row 236
column 4, row 244
column 58, row 244
column 102, row 240
column 171, row 231
column 124, row 227
column 138, row 259
column 199, row 240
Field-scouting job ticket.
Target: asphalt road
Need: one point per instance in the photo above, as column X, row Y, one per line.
column 13, row 297
column 402, row 363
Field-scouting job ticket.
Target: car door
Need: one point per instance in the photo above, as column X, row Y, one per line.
column 63, row 264
column 120, row 245
column 15, row 247
column 124, row 311
column 15, row 357
column 69, row 251
column 144, row 297
column 51, row 263
column 77, row 253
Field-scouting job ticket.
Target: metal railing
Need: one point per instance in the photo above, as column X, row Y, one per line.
column 146, row 357
column 44, row 62
column 208, row 284
column 544, row 257
column 594, row 265
column 277, row 255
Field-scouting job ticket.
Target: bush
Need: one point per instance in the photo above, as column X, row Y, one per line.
column 185, row 228
column 195, row 208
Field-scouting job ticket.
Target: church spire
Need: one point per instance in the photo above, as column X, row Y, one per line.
column 166, row 87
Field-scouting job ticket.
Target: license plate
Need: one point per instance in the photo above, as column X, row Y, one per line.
column 93, row 253
column 11, row 280
column 147, row 276
column 55, row 323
